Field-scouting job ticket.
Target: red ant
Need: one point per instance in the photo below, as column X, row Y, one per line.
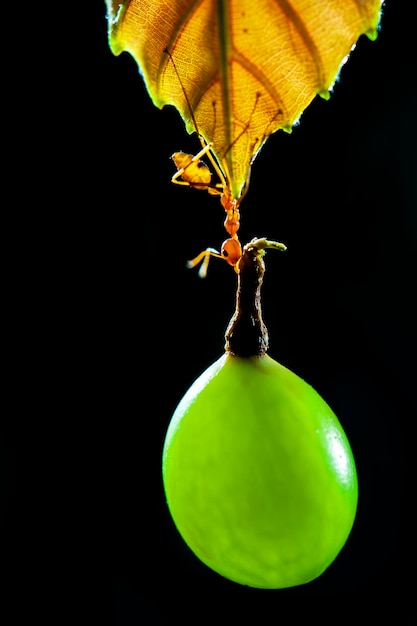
column 193, row 172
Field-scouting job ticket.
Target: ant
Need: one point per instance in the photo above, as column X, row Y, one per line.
column 193, row 172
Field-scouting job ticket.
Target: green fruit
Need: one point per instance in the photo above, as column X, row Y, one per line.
column 259, row 475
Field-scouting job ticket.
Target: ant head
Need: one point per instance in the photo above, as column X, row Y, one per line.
column 231, row 251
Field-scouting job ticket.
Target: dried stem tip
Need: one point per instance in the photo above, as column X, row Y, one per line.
column 246, row 334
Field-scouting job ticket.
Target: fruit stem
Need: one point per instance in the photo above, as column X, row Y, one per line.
column 246, row 334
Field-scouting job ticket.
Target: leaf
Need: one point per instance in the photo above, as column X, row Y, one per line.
column 239, row 70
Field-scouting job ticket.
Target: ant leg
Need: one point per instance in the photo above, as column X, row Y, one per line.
column 175, row 180
column 207, row 149
column 205, row 258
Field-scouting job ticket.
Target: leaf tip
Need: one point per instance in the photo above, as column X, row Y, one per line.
column 325, row 94
column 115, row 12
column 372, row 34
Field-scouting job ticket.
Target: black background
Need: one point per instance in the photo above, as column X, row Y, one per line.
column 108, row 328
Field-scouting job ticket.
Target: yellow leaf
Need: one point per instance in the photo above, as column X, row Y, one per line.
column 239, row 70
